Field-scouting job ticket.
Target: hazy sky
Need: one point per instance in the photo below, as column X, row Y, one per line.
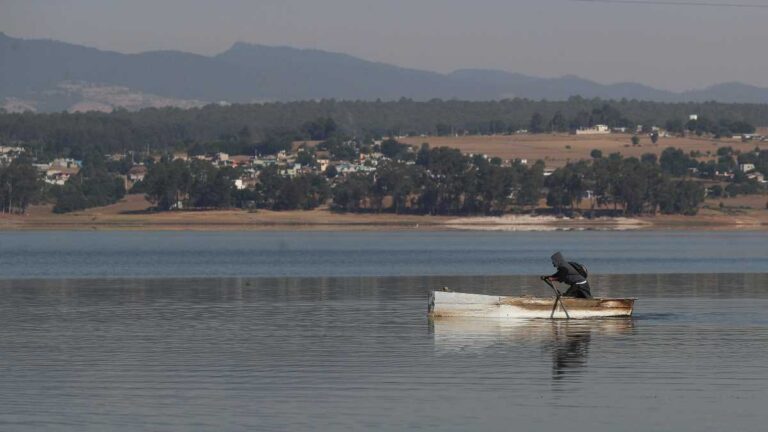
column 669, row 46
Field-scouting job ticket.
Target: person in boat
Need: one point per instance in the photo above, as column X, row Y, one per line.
column 572, row 274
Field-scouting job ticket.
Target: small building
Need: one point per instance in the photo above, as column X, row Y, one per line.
column 595, row 130
column 137, row 173
column 248, row 180
column 9, row 154
column 57, row 177
column 757, row 176
column 725, row 175
column 746, row 167
column 42, row 167
column 291, row 171
column 322, row 164
column 66, row 163
column 265, row 161
column 11, row 150
column 241, row 160
column 693, row 117
column 349, row 168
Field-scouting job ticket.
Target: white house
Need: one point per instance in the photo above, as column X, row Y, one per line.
column 596, row 130
column 746, row 167
column 323, row 164
column 137, row 173
column 57, row 177
column 4, row 150
column 759, row 177
column 66, row 163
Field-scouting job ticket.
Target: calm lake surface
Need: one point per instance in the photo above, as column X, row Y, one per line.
column 147, row 333
column 277, row 254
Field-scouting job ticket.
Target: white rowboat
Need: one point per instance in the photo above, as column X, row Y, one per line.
column 454, row 304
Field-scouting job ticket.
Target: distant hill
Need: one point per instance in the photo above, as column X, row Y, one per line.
column 46, row 75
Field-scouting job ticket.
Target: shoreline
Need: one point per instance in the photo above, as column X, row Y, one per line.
column 130, row 214
column 327, row 221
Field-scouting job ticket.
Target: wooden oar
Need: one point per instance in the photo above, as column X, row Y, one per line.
column 558, row 298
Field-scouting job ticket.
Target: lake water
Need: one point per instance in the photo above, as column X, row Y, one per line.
column 120, row 347
column 282, row 254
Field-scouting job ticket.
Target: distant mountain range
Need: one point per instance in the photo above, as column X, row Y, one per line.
column 45, row 75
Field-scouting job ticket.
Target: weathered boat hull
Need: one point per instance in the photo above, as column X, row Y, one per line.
column 454, row 304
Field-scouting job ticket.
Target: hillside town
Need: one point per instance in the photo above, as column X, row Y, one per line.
column 335, row 164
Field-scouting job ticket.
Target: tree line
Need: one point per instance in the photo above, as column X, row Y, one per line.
column 178, row 184
column 21, row 184
column 436, row 181
column 636, row 186
column 269, row 127
column 445, row 182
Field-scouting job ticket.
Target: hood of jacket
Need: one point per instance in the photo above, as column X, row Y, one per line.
column 558, row 260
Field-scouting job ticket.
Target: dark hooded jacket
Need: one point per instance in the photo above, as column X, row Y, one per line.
column 565, row 271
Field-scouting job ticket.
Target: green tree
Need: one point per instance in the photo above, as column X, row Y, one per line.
column 530, row 185
column 331, row 171
column 168, row 184
column 536, row 124
column 20, row 184
column 320, row 129
column 681, row 197
column 211, row 187
column 92, row 186
column 675, row 126
column 559, row 122
column 675, row 162
column 351, row 193
column 393, row 149
column 70, row 198
column 275, row 142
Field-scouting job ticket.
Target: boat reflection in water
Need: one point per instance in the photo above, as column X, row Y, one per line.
column 570, row 346
column 566, row 341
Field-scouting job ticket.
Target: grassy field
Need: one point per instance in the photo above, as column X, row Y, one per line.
column 558, row 149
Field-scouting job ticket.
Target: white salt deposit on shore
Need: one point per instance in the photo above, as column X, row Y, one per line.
column 543, row 223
